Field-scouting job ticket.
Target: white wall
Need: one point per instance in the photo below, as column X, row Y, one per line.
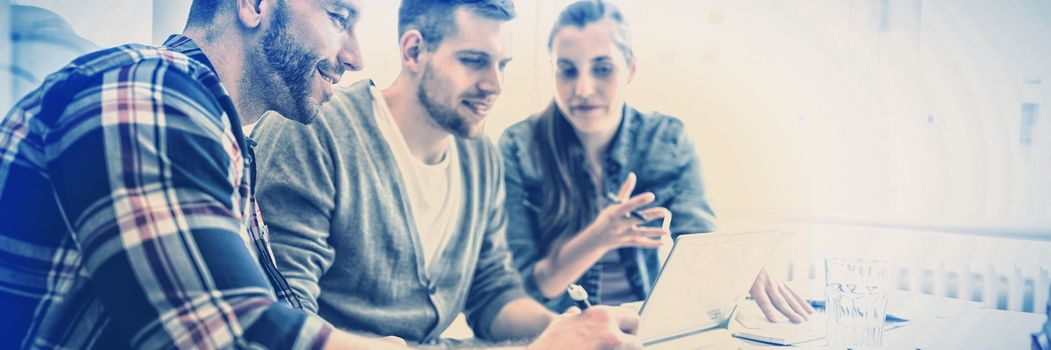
column 832, row 109
column 169, row 17
column 104, row 22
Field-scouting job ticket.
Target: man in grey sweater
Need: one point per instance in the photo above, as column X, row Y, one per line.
column 387, row 214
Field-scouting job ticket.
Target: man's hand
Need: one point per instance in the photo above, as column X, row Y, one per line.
column 340, row 340
column 599, row 327
column 774, row 296
column 396, row 341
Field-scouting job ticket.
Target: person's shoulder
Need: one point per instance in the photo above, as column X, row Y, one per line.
column 354, row 98
column 659, row 127
column 162, row 75
column 139, row 59
column 145, row 78
column 480, row 160
column 657, row 121
column 521, row 129
column 518, row 136
column 350, row 109
column 130, row 66
column 481, row 149
column 340, row 117
column 662, row 143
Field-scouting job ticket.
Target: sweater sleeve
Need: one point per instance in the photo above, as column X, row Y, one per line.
column 295, row 192
column 496, row 281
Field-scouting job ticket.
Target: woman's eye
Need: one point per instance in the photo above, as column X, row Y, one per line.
column 602, row 70
column 568, row 73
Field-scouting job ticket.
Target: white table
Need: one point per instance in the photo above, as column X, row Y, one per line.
column 967, row 328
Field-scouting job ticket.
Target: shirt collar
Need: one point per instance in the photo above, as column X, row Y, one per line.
column 621, row 145
column 184, row 45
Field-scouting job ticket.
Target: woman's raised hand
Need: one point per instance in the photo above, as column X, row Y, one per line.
column 616, row 226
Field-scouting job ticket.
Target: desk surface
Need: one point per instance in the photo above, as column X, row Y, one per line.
column 972, row 329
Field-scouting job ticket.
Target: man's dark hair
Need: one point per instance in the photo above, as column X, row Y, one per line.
column 203, row 11
column 434, row 18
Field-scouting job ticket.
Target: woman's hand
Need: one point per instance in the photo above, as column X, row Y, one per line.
column 616, row 226
column 775, row 297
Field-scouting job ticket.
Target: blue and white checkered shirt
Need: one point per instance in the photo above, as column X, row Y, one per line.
column 127, row 218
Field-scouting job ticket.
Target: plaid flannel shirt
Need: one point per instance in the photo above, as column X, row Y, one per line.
column 127, row 216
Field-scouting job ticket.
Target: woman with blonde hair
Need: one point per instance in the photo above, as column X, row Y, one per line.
column 572, row 169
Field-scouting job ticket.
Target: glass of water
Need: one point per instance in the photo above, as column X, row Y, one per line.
column 856, row 301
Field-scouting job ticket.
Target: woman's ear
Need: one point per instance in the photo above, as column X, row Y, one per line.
column 411, row 46
column 250, row 12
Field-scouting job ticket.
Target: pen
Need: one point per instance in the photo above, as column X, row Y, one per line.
column 637, row 214
column 817, row 304
column 579, row 295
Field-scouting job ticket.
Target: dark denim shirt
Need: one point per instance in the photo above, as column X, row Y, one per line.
column 652, row 145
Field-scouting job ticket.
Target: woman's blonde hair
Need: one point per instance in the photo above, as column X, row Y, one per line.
column 581, row 13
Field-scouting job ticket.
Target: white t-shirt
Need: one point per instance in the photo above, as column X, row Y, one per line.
column 435, row 191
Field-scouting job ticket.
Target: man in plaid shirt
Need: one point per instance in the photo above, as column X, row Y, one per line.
column 127, row 209
column 126, row 197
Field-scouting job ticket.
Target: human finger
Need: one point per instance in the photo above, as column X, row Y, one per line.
column 394, row 340
column 572, row 310
column 634, row 203
column 780, row 303
column 627, row 186
column 627, row 322
column 792, row 301
column 763, row 301
column 629, row 342
column 802, row 301
column 649, row 232
column 643, row 242
column 655, row 213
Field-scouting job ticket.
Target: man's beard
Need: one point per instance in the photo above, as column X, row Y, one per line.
column 445, row 116
column 294, row 65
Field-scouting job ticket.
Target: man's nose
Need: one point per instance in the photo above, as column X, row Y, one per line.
column 350, row 56
column 492, row 81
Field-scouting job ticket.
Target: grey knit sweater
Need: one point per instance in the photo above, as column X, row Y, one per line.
column 343, row 234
